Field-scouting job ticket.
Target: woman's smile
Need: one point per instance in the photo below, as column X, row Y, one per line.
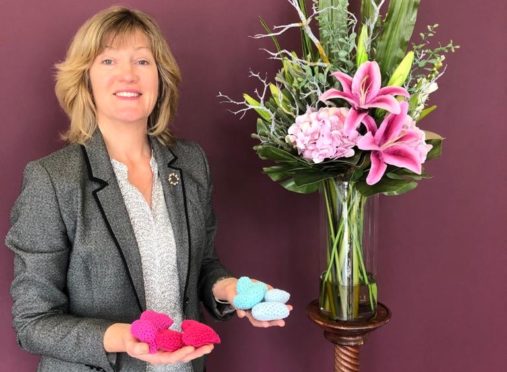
column 128, row 94
column 124, row 80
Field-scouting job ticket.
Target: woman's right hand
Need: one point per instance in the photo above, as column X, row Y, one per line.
column 118, row 338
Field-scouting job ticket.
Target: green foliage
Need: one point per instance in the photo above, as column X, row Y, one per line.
column 435, row 140
column 256, row 105
column 367, row 10
column 362, row 54
column 392, row 43
column 402, row 72
column 428, row 60
column 426, row 112
column 268, row 30
column 386, row 186
column 335, row 25
column 306, row 42
column 303, row 77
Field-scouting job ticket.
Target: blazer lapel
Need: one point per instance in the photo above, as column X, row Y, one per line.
column 112, row 207
column 174, row 192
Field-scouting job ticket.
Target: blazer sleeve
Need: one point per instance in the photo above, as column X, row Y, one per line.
column 41, row 247
column 211, row 269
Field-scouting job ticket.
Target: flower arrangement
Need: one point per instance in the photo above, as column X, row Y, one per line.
column 346, row 111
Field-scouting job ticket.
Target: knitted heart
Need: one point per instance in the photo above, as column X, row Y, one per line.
column 249, row 298
column 159, row 320
column 244, row 283
column 249, row 295
column 267, row 311
column 169, row 340
column 277, row 295
column 145, row 331
column 198, row 334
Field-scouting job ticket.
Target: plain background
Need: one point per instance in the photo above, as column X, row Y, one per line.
column 442, row 248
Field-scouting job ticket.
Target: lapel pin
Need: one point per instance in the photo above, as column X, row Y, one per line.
column 173, row 179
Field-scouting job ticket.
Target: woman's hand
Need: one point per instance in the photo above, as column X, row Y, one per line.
column 118, row 338
column 259, row 323
column 225, row 290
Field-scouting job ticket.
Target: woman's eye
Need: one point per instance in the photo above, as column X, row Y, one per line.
column 107, row 61
column 143, row 62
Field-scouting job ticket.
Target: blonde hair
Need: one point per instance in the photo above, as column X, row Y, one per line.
column 73, row 88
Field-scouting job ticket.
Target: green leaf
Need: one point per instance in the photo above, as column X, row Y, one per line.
column 305, row 189
column 262, row 127
column 302, row 179
column 275, row 92
column 409, row 186
column 405, row 174
column 386, row 186
column 333, row 28
column 436, row 141
column 262, row 112
column 268, row 30
column 356, row 176
column 401, row 73
column 374, row 291
column 280, row 99
column 392, row 43
column 306, row 42
column 367, row 10
column 362, row 55
column 426, row 112
column 277, row 172
column 429, row 135
column 276, row 154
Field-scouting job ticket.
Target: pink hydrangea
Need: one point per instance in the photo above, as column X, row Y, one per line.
column 320, row 135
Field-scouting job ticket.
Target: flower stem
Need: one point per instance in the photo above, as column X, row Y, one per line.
column 346, row 272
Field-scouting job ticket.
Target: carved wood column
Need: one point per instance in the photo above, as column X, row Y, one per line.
column 348, row 337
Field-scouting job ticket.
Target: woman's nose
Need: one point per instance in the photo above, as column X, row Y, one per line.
column 127, row 72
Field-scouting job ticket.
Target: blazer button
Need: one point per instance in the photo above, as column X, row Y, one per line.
column 186, row 300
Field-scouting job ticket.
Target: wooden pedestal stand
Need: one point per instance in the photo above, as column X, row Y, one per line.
column 347, row 336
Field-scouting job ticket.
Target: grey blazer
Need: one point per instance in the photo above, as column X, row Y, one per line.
column 77, row 267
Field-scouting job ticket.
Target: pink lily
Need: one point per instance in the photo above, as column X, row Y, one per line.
column 363, row 92
column 397, row 142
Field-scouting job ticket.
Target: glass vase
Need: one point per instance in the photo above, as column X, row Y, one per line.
column 348, row 290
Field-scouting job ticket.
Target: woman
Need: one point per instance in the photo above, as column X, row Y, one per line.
column 120, row 220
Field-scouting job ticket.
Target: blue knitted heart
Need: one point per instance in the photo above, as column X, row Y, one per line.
column 243, row 284
column 277, row 295
column 249, row 293
column 267, row 311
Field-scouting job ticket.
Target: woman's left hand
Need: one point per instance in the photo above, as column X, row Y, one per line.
column 259, row 323
column 225, row 290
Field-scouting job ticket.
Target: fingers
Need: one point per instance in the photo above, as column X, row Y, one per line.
column 255, row 280
column 183, row 355
column 203, row 350
column 140, row 350
column 135, row 348
column 176, row 356
column 259, row 323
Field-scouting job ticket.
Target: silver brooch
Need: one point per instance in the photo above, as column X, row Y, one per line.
column 173, row 179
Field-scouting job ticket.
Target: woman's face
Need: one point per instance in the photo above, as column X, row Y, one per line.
column 124, row 80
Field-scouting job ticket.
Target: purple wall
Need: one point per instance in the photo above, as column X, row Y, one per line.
column 442, row 256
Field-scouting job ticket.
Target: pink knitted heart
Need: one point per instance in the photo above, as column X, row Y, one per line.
column 169, row 340
column 145, row 331
column 159, row 320
column 198, row 334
